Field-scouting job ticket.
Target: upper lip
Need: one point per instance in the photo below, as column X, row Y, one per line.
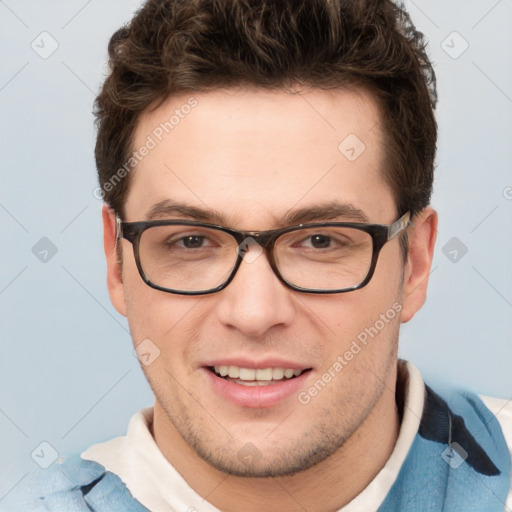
column 255, row 364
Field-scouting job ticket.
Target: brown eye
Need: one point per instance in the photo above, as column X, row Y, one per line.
column 193, row 242
column 320, row 241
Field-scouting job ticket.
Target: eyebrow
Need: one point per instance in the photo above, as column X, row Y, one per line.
column 325, row 212
column 167, row 208
column 331, row 211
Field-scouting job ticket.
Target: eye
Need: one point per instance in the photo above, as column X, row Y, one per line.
column 193, row 241
column 189, row 241
column 320, row 241
column 324, row 241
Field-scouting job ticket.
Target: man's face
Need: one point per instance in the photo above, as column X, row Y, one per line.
column 254, row 157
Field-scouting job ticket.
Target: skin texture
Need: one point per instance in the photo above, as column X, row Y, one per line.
column 253, row 156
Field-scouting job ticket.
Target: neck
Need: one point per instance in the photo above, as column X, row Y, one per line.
column 328, row 485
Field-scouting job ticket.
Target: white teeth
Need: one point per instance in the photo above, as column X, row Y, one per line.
column 247, row 374
column 256, row 382
column 265, row 374
column 221, row 370
column 278, row 373
column 255, row 375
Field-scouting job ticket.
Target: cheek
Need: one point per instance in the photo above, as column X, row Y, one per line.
column 364, row 345
column 383, row 294
column 140, row 301
column 151, row 313
column 361, row 327
column 163, row 323
column 345, row 316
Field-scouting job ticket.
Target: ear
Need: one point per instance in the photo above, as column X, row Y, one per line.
column 114, row 275
column 422, row 239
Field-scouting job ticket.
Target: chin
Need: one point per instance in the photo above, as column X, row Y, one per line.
column 273, row 460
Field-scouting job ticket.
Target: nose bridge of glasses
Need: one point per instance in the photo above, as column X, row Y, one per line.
column 251, row 245
column 264, row 240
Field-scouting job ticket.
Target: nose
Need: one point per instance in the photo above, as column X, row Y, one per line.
column 256, row 300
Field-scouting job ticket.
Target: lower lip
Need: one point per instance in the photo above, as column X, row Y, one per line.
column 256, row 396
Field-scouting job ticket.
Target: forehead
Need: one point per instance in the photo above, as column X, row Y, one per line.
column 253, row 155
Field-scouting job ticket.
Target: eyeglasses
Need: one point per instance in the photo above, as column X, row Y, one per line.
column 192, row 258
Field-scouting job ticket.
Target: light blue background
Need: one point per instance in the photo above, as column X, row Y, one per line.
column 67, row 371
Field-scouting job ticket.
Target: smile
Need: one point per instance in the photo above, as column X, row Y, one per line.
column 256, row 387
column 255, row 376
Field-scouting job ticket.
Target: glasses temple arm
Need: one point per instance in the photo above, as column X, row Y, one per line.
column 398, row 226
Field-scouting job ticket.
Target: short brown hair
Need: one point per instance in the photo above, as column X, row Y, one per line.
column 175, row 46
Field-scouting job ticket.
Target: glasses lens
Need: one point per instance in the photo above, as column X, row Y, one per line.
column 325, row 258
column 187, row 258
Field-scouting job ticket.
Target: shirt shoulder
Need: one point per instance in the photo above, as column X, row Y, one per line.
column 74, row 485
column 502, row 411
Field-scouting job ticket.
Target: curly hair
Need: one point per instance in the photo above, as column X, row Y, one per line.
column 176, row 46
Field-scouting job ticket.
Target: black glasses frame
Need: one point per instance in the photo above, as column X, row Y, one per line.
column 380, row 233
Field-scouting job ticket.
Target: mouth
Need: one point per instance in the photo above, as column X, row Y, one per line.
column 256, row 388
column 256, row 376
